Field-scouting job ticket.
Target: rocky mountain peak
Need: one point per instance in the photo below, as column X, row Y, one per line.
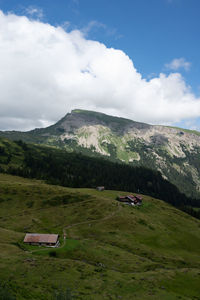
column 79, row 118
column 173, row 151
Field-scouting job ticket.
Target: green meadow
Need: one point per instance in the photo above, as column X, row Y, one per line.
column 112, row 250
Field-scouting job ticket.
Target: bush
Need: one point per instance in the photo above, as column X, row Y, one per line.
column 30, row 203
column 5, row 293
column 52, row 253
column 142, row 222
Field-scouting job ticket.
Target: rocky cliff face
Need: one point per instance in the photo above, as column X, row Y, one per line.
column 172, row 151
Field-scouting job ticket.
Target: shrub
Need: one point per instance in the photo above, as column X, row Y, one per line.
column 142, row 222
column 5, row 293
column 52, row 253
column 30, row 203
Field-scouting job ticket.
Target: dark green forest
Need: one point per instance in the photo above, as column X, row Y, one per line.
column 76, row 170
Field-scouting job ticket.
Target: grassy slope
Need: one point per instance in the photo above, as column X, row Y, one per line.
column 112, row 250
column 186, row 130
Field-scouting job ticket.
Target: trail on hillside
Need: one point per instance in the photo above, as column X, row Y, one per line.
column 81, row 223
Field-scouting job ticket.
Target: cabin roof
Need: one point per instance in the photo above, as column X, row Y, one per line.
column 40, row 238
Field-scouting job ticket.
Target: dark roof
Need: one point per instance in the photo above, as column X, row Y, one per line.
column 131, row 197
column 138, row 197
column 41, row 238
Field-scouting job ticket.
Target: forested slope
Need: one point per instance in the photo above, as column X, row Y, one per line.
column 76, row 170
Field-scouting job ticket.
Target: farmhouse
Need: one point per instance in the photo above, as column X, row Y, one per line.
column 50, row 240
column 100, row 188
column 130, row 199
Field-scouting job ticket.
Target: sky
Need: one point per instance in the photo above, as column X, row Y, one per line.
column 137, row 59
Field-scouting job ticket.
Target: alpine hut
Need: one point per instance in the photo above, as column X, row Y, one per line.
column 49, row 240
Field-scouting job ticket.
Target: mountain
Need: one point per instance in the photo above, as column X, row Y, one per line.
column 112, row 250
column 173, row 151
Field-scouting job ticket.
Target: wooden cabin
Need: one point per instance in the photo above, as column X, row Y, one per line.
column 100, row 188
column 130, row 199
column 49, row 240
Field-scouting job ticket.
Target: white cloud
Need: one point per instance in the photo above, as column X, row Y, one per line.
column 66, row 25
column 178, row 63
column 45, row 72
column 34, row 12
column 94, row 25
column 91, row 25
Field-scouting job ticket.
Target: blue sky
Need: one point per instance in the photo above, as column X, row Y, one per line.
column 159, row 36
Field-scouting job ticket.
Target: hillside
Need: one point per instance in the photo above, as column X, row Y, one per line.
column 76, row 170
column 112, row 250
column 174, row 152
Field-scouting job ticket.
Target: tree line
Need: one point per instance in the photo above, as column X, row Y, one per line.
column 79, row 171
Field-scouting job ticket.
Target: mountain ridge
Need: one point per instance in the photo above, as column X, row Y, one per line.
column 172, row 151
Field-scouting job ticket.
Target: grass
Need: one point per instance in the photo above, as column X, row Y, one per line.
column 111, row 249
column 185, row 130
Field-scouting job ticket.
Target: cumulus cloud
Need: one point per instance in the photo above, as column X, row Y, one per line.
column 178, row 63
column 45, row 72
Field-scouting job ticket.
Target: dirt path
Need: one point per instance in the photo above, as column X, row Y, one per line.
column 81, row 223
column 93, row 221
